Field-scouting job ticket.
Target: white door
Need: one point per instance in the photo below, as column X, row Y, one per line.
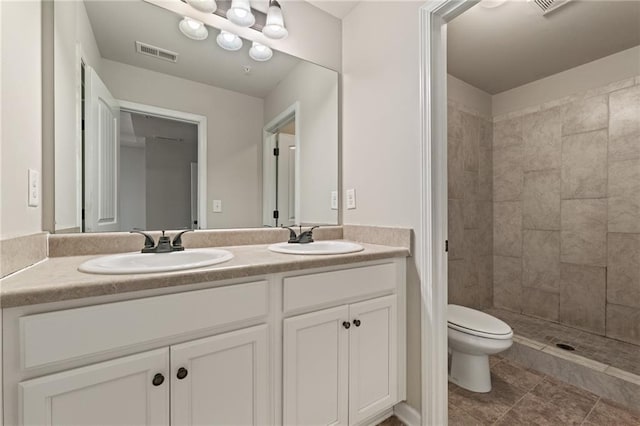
column 373, row 375
column 124, row 391
column 101, row 152
column 221, row 380
column 315, row 359
column 287, row 179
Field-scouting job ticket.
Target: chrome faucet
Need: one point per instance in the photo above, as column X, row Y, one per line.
column 303, row 238
column 164, row 242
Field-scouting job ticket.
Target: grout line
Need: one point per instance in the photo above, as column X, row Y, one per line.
column 590, row 411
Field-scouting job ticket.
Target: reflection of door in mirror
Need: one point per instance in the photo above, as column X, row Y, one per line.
column 286, row 178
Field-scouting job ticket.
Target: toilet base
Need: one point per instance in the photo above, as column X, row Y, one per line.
column 470, row 372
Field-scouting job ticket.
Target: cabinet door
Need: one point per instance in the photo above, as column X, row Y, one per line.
column 315, row 358
column 117, row 392
column 373, row 371
column 226, row 380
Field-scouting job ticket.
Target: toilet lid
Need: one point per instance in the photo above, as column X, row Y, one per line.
column 478, row 323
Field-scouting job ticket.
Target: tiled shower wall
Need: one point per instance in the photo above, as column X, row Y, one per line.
column 566, row 211
column 470, row 207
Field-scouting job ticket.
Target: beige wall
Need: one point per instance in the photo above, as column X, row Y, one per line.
column 21, row 115
column 316, row 90
column 234, row 134
column 381, row 140
column 616, row 67
column 567, row 212
column 71, row 29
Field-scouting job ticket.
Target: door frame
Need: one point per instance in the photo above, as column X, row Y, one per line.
column 268, row 184
column 187, row 117
column 434, row 16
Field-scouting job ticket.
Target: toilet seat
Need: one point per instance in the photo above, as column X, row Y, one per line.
column 476, row 323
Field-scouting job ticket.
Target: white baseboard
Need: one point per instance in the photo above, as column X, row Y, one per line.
column 407, row 414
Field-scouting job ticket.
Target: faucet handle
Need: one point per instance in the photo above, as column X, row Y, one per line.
column 149, row 242
column 177, row 240
column 293, row 238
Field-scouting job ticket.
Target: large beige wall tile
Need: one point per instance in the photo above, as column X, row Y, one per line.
column 542, row 139
column 583, row 296
column 624, row 117
column 584, row 232
column 584, row 165
column 507, row 173
column 485, row 226
column 623, row 269
column 507, row 133
column 541, row 200
column 624, row 196
column 454, row 122
column 456, row 290
column 456, row 230
column 541, row 260
column 485, row 174
column 507, row 228
column 624, row 147
column 585, row 115
column 540, row 303
column 471, row 134
column 485, row 281
column 455, row 171
column 623, row 323
column 486, row 134
column 507, row 287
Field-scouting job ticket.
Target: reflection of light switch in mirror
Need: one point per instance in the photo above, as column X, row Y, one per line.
column 351, row 199
column 217, row 206
column 334, row 200
column 34, row 188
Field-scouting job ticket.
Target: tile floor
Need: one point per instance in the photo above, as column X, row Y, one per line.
column 521, row 396
column 624, row 356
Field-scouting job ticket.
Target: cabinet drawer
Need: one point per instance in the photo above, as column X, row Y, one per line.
column 64, row 335
column 307, row 291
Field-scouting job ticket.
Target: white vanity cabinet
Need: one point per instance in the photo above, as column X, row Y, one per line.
column 340, row 363
column 321, row 346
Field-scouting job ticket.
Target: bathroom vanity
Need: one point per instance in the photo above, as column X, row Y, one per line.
column 287, row 340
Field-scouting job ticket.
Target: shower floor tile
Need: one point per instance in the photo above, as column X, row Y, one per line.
column 624, row 356
column 521, row 396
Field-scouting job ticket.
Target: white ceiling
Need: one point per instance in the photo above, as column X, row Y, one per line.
column 117, row 25
column 511, row 45
column 337, row 8
column 135, row 128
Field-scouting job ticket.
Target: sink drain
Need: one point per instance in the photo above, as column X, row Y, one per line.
column 565, row 346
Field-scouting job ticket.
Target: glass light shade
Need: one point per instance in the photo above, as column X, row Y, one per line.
column 229, row 41
column 193, row 29
column 240, row 13
column 274, row 27
column 260, row 52
column 490, row 4
column 206, row 6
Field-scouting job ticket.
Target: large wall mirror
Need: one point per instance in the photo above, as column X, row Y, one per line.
column 155, row 130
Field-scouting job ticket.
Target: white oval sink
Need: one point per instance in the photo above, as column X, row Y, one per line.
column 145, row 263
column 317, row 247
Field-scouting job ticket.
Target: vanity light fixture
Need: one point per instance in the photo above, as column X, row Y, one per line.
column 492, row 4
column 274, row 27
column 193, row 29
column 240, row 13
column 206, row 6
column 259, row 52
column 229, row 41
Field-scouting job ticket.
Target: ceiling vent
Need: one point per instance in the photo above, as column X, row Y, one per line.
column 156, row 52
column 548, row 6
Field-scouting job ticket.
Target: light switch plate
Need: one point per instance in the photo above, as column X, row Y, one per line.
column 334, row 200
column 217, row 206
column 34, row 188
column 351, row 199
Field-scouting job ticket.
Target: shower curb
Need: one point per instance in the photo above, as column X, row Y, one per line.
column 601, row 379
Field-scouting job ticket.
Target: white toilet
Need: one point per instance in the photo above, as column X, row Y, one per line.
column 473, row 336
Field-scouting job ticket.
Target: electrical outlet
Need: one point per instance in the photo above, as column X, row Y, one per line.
column 34, row 188
column 217, row 206
column 351, row 199
column 334, row 200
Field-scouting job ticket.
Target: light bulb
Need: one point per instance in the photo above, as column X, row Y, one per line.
column 240, row 13
column 259, row 52
column 229, row 41
column 274, row 27
column 206, row 6
column 193, row 29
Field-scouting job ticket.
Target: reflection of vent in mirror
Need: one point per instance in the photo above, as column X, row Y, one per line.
column 156, row 52
column 547, row 6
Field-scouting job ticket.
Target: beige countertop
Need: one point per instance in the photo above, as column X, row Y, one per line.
column 58, row 279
